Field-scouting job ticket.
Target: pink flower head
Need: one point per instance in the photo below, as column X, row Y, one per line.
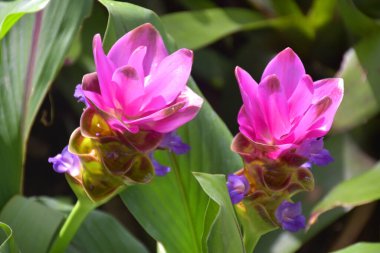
column 286, row 107
column 139, row 86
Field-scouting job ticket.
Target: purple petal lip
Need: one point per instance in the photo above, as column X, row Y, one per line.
column 140, row 84
column 313, row 150
column 66, row 163
column 160, row 170
column 287, row 107
column 174, row 143
column 238, row 187
column 289, row 215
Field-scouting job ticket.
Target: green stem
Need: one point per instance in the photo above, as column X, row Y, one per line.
column 71, row 225
column 184, row 198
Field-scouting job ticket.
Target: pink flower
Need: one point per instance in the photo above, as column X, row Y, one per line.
column 139, row 86
column 287, row 107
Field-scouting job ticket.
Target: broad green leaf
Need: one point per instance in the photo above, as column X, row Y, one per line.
column 101, row 233
column 359, row 101
column 365, row 247
column 11, row 12
column 30, row 57
column 368, row 52
column 7, row 242
column 321, row 12
column 353, row 192
column 33, row 224
column 369, row 7
column 196, row 29
column 358, row 24
column 225, row 233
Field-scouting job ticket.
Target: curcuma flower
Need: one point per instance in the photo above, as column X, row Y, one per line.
column 135, row 101
column 282, row 123
column 139, row 85
column 286, row 107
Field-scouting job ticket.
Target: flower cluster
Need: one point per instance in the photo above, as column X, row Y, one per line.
column 135, row 101
column 282, row 123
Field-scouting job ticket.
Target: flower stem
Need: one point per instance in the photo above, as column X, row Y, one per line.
column 71, row 225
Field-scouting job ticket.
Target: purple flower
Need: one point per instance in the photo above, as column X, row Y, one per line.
column 66, row 163
column 289, row 215
column 314, row 151
column 173, row 142
column 78, row 94
column 160, row 170
column 238, row 187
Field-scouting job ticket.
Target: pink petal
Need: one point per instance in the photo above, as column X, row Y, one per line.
column 184, row 109
column 245, row 125
column 144, row 35
column 288, row 68
column 275, row 107
column 136, row 60
column 168, row 80
column 129, row 90
column 104, row 69
column 253, row 112
column 91, row 90
column 317, row 121
column 300, row 100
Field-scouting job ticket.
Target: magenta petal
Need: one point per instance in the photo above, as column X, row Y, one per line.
column 245, row 125
column 136, row 60
column 104, row 69
column 164, row 122
column 129, row 91
column 168, row 80
column 317, row 121
column 144, row 35
column 301, row 98
column 275, row 107
column 289, row 69
column 253, row 111
column 91, row 90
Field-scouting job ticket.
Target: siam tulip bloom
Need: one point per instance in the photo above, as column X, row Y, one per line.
column 238, row 187
column 289, row 215
column 139, row 86
column 286, row 107
column 66, row 163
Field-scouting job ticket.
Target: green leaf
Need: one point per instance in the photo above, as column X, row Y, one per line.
column 366, row 247
column 11, row 12
column 369, row 7
column 7, row 242
column 357, row 91
column 368, row 52
column 353, row 192
column 225, row 233
column 356, row 22
column 321, row 12
column 30, row 57
column 101, row 233
column 196, row 29
column 33, row 224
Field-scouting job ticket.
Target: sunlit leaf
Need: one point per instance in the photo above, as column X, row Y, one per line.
column 7, row 242
column 366, row 247
column 31, row 54
column 353, row 192
column 196, row 29
column 11, row 12
column 359, row 101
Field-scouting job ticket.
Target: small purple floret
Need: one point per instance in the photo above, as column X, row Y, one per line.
column 238, row 187
column 173, row 142
column 314, row 151
column 289, row 215
column 66, row 163
column 78, row 94
column 160, row 170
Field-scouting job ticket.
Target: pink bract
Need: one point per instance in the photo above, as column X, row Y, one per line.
column 139, row 86
column 286, row 107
